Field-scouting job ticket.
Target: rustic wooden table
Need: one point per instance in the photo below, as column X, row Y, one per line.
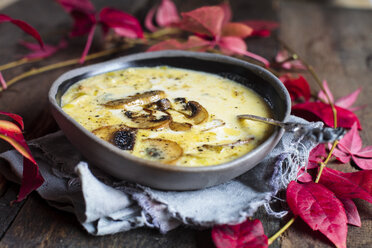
column 336, row 41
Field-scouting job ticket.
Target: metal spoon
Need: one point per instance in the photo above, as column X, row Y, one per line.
column 320, row 134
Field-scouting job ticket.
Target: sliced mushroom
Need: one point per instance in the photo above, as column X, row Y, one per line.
column 191, row 110
column 161, row 150
column 198, row 113
column 163, row 105
column 179, row 126
column 120, row 135
column 147, row 121
column 218, row 147
column 137, row 99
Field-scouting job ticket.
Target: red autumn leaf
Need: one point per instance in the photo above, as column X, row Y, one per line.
column 83, row 13
column 24, row 26
column 82, row 5
column 122, row 23
column 320, row 209
column 15, row 117
column 235, row 45
column 344, row 102
column 316, row 155
column 12, row 134
column 352, row 214
column 350, row 146
column 37, row 52
column 297, row 87
column 88, row 44
column 348, row 185
column 2, row 81
column 282, row 56
column 236, row 29
column 261, row 28
column 247, row 234
column 31, row 179
column 194, row 43
column 205, row 20
column 314, row 111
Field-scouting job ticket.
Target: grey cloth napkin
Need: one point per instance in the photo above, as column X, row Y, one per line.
column 105, row 205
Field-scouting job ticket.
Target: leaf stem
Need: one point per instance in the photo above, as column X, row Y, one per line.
column 17, row 63
column 65, row 63
column 281, row 231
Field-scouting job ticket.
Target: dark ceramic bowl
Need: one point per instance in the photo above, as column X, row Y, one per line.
column 128, row 167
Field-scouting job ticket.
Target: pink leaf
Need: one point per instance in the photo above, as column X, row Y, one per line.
column 249, row 234
column 304, row 176
column 205, row 20
column 88, row 44
column 262, row 28
column 320, row 209
column 352, row 214
column 322, row 95
column 344, row 102
column 297, row 87
column 351, row 142
column 122, row 23
column 351, row 146
column 193, row 43
column 347, row 101
column 235, row 45
column 227, row 12
column 363, row 163
column 37, row 52
column 15, row 117
column 24, row 26
column 348, row 185
column 282, row 56
column 314, row 111
column 3, row 82
column 148, row 20
column 316, row 155
column 167, row 14
column 236, row 29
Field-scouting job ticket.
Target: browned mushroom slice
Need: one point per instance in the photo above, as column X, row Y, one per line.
column 191, row 110
column 179, row 127
column 161, row 150
column 120, row 135
column 137, row 99
column 198, row 113
column 218, row 147
column 147, row 121
column 162, row 105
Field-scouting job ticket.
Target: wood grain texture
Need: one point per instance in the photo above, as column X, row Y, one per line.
column 338, row 43
column 37, row 224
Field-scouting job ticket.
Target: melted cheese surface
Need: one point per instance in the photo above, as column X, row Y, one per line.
column 222, row 98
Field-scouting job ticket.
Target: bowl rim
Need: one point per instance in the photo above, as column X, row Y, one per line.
column 117, row 64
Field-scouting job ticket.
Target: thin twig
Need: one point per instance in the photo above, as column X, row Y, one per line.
column 17, row 63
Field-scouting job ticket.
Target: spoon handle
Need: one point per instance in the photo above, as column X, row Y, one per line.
column 321, row 135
